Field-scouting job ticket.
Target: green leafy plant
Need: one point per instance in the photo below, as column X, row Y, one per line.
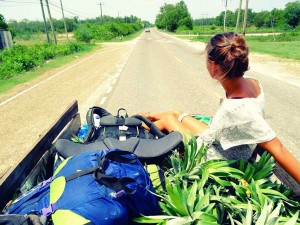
column 21, row 58
column 222, row 192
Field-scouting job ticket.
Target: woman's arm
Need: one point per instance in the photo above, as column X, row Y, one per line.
column 169, row 121
column 284, row 158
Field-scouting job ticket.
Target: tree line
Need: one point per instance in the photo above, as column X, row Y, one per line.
column 173, row 17
column 28, row 27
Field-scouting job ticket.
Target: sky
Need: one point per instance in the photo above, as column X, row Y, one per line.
column 144, row 9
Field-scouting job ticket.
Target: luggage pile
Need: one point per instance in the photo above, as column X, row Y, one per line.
column 100, row 180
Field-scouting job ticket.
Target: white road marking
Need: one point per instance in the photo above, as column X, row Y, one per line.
column 109, row 90
column 114, row 81
column 103, row 100
column 178, row 59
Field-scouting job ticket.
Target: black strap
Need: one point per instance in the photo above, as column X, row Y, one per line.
column 118, row 114
column 119, row 185
column 153, row 128
column 81, row 173
column 117, row 156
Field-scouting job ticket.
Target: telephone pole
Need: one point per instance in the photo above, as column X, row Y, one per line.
column 51, row 24
column 101, row 12
column 225, row 15
column 238, row 17
column 245, row 18
column 65, row 24
column 45, row 22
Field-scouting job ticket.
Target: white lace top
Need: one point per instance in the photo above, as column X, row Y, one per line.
column 239, row 122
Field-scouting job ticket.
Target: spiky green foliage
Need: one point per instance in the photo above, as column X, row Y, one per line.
column 223, row 192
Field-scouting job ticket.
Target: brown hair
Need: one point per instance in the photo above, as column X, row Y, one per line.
column 230, row 52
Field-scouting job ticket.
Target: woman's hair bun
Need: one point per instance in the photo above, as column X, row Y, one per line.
column 239, row 48
column 230, row 52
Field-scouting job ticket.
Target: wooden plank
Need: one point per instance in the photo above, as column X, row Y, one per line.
column 12, row 180
column 286, row 179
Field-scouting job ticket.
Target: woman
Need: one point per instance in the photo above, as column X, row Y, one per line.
column 239, row 120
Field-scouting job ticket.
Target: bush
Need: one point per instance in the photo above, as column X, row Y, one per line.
column 213, row 27
column 83, row 34
column 105, row 32
column 22, row 58
column 183, row 29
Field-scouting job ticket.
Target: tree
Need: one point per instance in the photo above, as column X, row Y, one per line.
column 262, row 19
column 292, row 13
column 171, row 17
column 3, row 24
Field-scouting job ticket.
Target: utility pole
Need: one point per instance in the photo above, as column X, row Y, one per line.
column 225, row 15
column 272, row 25
column 206, row 21
column 245, row 18
column 65, row 24
column 238, row 17
column 45, row 22
column 50, row 18
column 202, row 19
column 101, row 12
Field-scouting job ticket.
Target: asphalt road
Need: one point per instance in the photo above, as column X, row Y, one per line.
column 166, row 73
column 155, row 72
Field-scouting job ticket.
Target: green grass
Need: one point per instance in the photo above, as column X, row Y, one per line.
column 8, row 84
column 286, row 45
column 288, row 50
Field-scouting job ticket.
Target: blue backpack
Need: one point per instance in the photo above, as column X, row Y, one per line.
column 95, row 187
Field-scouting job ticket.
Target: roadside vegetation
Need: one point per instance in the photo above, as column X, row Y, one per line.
column 222, row 192
column 22, row 58
column 281, row 25
column 105, row 32
column 31, row 52
column 283, row 45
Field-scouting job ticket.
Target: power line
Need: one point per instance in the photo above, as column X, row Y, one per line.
column 17, row 1
column 11, row 5
column 66, row 10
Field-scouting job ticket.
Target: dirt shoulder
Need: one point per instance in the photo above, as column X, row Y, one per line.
column 287, row 70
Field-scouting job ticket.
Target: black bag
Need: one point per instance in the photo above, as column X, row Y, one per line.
column 122, row 132
column 102, row 124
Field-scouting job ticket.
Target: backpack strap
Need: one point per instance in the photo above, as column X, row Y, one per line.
column 81, row 173
column 119, row 185
column 93, row 132
column 117, row 156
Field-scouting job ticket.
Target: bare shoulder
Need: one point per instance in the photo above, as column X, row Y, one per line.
column 254, row 86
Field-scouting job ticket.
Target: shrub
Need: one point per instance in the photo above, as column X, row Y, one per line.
column 105, row 32
column 22, row 58
column 83, row 34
